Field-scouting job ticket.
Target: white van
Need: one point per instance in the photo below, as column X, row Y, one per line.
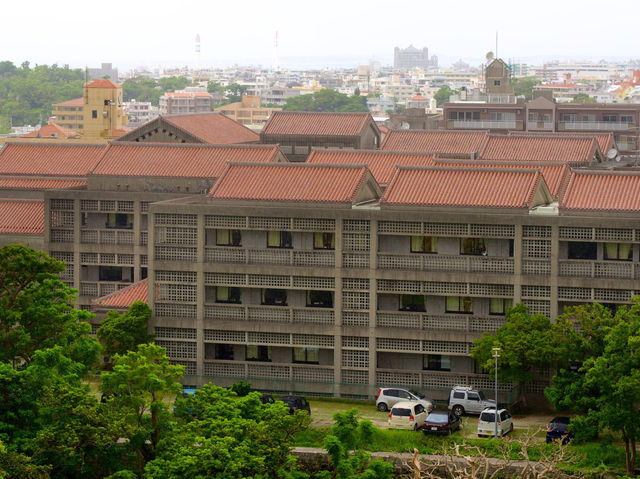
column 407, row 415
column 487, row 422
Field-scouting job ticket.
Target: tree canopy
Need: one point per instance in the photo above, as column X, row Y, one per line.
column 443, row 94
column 524, row 86
column 120, row 333
column 148, row 89
column 326, row 100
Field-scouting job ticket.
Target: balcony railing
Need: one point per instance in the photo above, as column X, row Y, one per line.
column 593, row 125
column 599, row 269
column 108, row 236
column 485, row 124
column 288, row 257
column 268, row 370
column 278, row 314
column 438, row 322
column 101, row 288
column 438, row 262
column 539, row 125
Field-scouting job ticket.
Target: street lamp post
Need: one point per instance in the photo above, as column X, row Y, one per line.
column 496, row 355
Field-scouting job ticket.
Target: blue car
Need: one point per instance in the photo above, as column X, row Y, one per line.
column 558, row 430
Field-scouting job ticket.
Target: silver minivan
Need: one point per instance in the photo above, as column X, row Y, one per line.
column 465, row 399
column 388, row 397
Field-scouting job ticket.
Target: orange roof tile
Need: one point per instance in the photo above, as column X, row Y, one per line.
column 21, row 217
column 52, row 130
column 572, row 149
column 382, row 164
column 49, row 159
column 125, row 297
column 554, row 174
column 102, row 83
column 605, row 140
column 74, row 102
column 213, row 128
column 289, row 123
column 192, row 160
column 443, row 142
column 16, row 183
column 290, row 182
column 463, row 187
column 590, row 190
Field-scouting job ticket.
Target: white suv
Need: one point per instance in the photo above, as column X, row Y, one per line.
column 388, row 397
column 487, row 422
column 464, row 399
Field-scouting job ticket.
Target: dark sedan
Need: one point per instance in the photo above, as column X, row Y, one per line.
column 441, row 422
column 296, row 403
column 558, row 430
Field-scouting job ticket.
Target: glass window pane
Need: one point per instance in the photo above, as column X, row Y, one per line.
column 417, row 244
column 222, row 237
column 273, row 239
column 625, row 251
column 453, row 303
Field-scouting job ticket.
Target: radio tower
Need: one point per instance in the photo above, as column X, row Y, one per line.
column 196, row 67
column 275, row 66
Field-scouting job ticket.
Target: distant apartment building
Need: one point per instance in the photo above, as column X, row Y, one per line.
column 106, row 70
column 412, row 57
column 189, row 100
column 248, row 111
column 139, row 112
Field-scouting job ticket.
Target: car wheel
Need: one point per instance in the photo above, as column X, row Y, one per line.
column 415, row 427
column 511, row 428
column 449, row 431
column 382, row 407
column 458, row 410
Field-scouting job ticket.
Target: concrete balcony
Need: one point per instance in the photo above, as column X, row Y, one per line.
column 268, row 371
column 593, row 126
column 484, row 125
column 278, row 314
column 540, row 125
column 101, row 288
column 287, row 257
column 438, row 322
column 106, row 236
column 438, row 262
column 599, row 269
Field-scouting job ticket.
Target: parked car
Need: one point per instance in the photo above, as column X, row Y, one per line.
column 487, row 422
column 558, row 430
column 464, row 400
column 407, row 415
column 296, row 403
column 388, row 397
column 441, row 422
column 267, row 399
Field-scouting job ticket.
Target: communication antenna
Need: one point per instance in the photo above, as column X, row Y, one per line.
column 276, row 66
column 496, row 44
column 612, row 154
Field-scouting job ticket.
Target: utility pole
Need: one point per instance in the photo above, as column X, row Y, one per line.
column 496, row 355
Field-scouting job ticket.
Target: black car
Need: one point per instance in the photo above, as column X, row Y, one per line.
column 441, row 422
column 267, row 399
column 296, row 403
column 558, row 430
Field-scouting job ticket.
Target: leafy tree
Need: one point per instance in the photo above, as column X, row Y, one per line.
column 230, row 437
column 18, row 466
column 527, row 342
column 36, row 309
column 524, row 86
column 121, row 333
column 234, row 92
column 583, row 98
column 443, row 94
column 140, row 385
column 326, row 100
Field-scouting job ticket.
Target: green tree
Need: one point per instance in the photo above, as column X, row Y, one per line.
column 234, row 92
column 443, row 94
column 524, row 86
column 121, row 333
column 229, row 437
column 583, row 98
column 326, row 100
column 141, row 385
column 528, row 343
column 36, row 309
column 18, row 466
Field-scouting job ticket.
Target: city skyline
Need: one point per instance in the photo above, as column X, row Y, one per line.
column 333, row 35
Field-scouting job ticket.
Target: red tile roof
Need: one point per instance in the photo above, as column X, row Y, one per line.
column 573, row 149
column 382, row 164
column 463, row 187
column 102, row 83
column 605, row 140
column 213, row 128
column 290, row 182
column 49, row 159
column 16, row 183
column 302, row 123
column 443, row 142
column 21, row 217
column 590, row 190
column 74, row 102
column 52, row 131
column 554, row 174
column 192, row 160
column 125, row 297
column 118, row 132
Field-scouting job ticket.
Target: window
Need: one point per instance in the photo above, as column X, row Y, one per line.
column 437, row 362
column 458, row 395
column 226, row 294
column 279, row 239
column 119, row 220
column 258, row 353
column 459, row 304
column 228, row 238
column 110, row 273
column 412, row 302
column 324, row 240
column 320, row 299
column 582, row 250
column 533, row 116
column 499, row 306
column 274, row 297
column 224, row 351
column 94, row 113
column 502, row 116
column 619, row 251
column 570, row 117
column 305, row 355
column 496, row 82
column 626, row 119
column 477, row 246
column 546, row 117
column 588, row 117
column 424, row 244
column 610, row 118
column 473, row 396
column 464, row 115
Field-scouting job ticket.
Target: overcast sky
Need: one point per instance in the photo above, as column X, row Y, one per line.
column 314, row 33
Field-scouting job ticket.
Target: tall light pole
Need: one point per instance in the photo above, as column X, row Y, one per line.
column 496, row 355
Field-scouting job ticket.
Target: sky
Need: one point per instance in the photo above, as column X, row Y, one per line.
column 320, row 34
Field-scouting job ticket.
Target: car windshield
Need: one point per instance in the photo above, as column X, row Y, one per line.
column 488, row 417
column 438, row 417
column 289, row 401
column 399, row 411
column 416, row 393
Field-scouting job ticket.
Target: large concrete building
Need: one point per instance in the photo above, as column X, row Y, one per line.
column 412, row 57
